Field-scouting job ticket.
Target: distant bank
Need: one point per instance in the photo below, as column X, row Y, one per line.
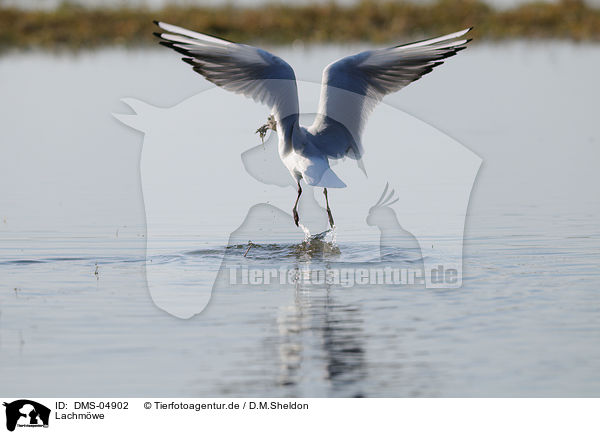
column 72, row 26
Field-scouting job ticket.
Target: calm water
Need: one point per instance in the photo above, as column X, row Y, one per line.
column 525, row 323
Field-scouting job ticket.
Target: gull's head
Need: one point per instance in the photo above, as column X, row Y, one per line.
column 270, row 125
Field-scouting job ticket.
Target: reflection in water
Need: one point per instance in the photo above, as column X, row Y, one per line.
column 318, row 335
column 321, row 334
column 315, row 315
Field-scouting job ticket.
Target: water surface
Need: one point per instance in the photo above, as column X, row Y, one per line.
column 76, row 318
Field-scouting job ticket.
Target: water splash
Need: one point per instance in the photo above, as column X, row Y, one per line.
column 333, row 233
column 306, row 232
column 313, row 246
column 317, row 245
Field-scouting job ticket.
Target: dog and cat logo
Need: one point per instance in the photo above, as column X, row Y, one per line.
column 26, row 413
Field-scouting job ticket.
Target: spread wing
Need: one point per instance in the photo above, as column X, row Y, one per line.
column 239, row 68
column 352, row 87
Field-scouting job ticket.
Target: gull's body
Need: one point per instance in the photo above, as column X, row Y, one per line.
column 351, row 88
column 304, row 159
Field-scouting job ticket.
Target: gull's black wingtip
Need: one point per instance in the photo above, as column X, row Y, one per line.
column 158, row 35
column 172, row 46
column 156, row 22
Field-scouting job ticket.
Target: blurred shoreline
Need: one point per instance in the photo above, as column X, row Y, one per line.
column 76, row 27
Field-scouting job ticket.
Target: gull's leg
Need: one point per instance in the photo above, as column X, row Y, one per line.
column 295, row 211
column 331, row 223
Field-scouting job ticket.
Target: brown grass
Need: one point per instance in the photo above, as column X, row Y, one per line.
column 374, row 21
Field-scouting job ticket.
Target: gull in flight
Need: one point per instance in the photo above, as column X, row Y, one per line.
column 351, row 87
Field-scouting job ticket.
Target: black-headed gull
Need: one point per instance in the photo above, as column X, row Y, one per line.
column 351, row 87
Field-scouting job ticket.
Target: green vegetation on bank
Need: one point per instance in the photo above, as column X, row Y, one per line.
column 374, row 21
